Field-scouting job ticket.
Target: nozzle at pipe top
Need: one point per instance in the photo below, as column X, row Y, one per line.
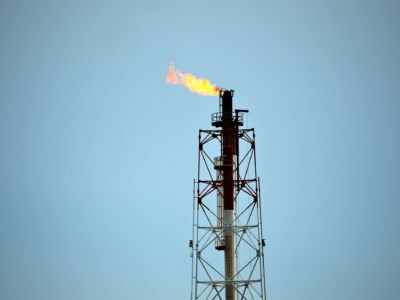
column 227, row 103
column 225, row 115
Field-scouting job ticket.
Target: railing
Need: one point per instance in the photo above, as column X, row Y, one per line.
column 237, row 117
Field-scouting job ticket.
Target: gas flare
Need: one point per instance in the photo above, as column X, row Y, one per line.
column 201, row 86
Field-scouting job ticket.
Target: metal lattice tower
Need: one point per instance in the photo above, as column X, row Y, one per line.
column 227, row 245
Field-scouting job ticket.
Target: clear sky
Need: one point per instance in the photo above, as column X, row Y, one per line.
column 98, row 153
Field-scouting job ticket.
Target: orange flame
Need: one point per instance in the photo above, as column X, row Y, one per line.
column 201, row 86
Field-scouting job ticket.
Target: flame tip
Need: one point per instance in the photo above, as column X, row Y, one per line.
column 201, row 86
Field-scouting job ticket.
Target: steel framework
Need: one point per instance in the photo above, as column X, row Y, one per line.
column 227, row 257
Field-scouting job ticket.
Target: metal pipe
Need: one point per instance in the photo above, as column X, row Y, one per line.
column 229, row 141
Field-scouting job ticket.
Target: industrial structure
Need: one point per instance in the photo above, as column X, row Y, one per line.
column 227, row 244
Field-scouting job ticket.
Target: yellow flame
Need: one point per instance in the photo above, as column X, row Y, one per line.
column 201, row 86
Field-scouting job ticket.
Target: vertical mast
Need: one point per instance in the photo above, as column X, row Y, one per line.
column 228, row 260
column 229, row 136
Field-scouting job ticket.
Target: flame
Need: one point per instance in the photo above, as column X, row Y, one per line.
column 201, row 86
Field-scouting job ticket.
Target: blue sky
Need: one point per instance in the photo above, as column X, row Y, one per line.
column 98, row 154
